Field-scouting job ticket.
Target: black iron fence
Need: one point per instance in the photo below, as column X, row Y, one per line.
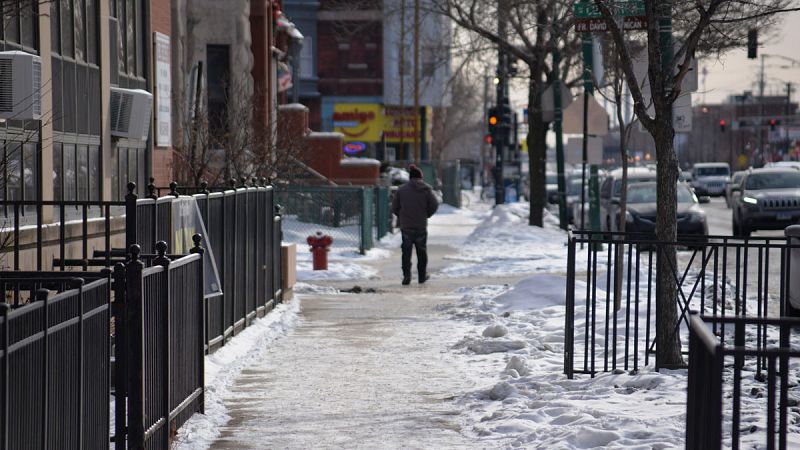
column 611, row 296
column 728, row 402
column 54, row 363
column 160, row 317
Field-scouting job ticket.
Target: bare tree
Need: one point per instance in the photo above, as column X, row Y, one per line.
column 461, row 118
column 537, row 28
column 713, row 26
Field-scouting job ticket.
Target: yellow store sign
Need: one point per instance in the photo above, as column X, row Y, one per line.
column 358, row 121
column 366, row 122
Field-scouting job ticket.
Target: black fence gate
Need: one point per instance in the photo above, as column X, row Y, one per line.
column 611, row 295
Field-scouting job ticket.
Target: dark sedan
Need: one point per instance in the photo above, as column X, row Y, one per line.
column 642, row 205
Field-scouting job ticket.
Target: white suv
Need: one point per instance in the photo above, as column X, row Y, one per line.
column 710, row 178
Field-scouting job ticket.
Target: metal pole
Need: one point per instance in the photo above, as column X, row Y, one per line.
column 502, row 102
column 485, row 126
column 562, row 196
column 760, row 127
column 402, row 109
column 416, row 81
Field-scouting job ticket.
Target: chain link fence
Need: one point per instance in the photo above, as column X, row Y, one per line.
column 347, row 214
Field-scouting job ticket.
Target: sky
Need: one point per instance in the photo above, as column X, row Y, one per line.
column 734, row 73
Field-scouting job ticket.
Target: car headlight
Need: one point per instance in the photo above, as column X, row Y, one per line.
column 750, row 200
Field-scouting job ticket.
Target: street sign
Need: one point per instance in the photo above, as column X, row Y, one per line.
column 590, row 19
column 598, row 117
column 548, row 110
column 594, row 150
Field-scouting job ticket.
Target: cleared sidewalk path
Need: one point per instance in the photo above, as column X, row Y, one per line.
column 363, row 370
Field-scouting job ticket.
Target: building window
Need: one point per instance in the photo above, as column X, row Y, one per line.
column 218, row 74
column 307, row 59
column 76, row 172
column 428, row 61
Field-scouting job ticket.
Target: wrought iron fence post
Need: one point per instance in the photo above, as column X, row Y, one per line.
column 134, row 285
column 122, row 355
column 151, row 189
column 41, row 296
column 5, row 308
column 162, row 260
column 569, row 327
column 198, row 249
column 130, row 218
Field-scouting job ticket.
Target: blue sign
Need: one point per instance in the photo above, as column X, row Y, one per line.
column 354, row 148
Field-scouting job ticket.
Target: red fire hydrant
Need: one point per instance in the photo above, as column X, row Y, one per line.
column 320, row 246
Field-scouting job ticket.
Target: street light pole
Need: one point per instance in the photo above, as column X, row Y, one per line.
column 502, row 105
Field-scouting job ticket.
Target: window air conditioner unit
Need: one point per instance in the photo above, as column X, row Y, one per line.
column 20, row 86
column 130, row 113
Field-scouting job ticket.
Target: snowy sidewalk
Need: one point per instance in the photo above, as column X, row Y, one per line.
column 370, row 370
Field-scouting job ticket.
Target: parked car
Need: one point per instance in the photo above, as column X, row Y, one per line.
column 610, row 191
column 574, row 199
column 732, row 186
column 784, row 164
column 769, row 199
column 710, row 178
column 640, row 216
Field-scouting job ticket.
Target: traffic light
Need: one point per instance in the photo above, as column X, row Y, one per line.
column 493, row 119
column 488, row 139
column 752, row 43
column 773, row 123
column 722, row 125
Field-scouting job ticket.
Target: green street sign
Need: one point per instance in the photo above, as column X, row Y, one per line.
column 620, row 8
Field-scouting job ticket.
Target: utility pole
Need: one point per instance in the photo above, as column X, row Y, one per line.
column 502, row 104
column 485, row 126
column 402, row 113
column 760, row 127
column 416, row 82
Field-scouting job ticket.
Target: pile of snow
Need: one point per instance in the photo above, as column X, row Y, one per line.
column 223, row 367
column 504, row 244
column 519, row 331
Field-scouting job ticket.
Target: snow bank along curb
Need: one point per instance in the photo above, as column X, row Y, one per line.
column 223, row 366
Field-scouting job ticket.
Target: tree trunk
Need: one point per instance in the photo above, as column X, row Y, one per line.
column 668, row 345
column 537, row 154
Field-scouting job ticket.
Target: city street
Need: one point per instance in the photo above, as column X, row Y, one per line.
column 720, row 221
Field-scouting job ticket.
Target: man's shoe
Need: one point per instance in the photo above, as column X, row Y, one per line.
column 406, row 281
column 424, row 278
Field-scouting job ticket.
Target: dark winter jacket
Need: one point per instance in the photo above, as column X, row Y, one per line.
column 413, row 204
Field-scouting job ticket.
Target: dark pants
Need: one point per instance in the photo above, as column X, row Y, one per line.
column 418, row 239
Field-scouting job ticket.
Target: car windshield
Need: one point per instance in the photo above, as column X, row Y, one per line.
column 720, row 171
column 773, row 180
column 646, row 193
column 574, row 187
column 737, row 177
column 631, row 181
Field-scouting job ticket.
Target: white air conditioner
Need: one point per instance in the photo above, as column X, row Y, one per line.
column 130, row 113
column 20, row 86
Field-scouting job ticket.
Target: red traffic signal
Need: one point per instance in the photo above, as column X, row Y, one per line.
column 488, row 139
column 773, row 123
column 722, row 124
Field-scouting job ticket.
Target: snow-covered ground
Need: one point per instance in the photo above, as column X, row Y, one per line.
column 504, row 244
column 514, row 331
column 224, row 365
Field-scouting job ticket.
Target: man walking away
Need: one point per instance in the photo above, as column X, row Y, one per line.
column 413, row 204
